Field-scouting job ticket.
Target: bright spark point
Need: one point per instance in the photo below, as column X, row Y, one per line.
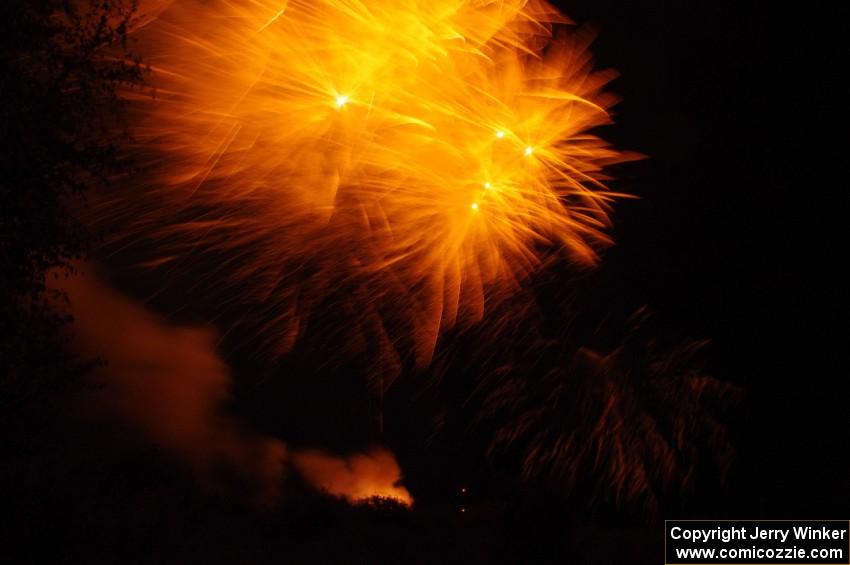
column 474, row 206
column 500, row 134
column 529, row 150
column 341, row 101
column 488, row 185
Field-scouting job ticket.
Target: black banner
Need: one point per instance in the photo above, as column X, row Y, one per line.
column 761, row 542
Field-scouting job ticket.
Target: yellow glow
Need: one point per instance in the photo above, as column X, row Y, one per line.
column 245, row 154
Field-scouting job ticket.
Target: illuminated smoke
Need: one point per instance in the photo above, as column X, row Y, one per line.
column 168, row 384
column 357, row 478
column 412, row 160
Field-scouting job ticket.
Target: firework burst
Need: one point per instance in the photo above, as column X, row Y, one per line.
column 415, row 160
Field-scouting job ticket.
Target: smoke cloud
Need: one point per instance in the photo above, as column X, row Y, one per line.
column 168, row 383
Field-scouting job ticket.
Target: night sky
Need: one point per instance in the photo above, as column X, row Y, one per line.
column 739, row 233
column 736, row 235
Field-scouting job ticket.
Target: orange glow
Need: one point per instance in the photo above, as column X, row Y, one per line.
column 357, row 479
column 305, row 142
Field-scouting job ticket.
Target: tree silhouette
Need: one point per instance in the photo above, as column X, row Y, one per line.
column 61, row 63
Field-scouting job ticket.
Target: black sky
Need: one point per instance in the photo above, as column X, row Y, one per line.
column 740, row 233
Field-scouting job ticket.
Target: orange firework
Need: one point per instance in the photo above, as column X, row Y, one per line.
column 426, row 156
